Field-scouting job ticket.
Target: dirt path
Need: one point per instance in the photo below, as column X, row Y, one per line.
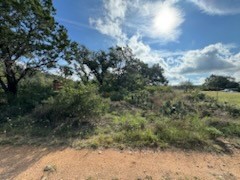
column 64, row 163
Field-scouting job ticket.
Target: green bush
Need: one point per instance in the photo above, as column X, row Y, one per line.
column 116, row 96
column 31, row 93
column 71, row 105
column 140, row 99
column 228, row 128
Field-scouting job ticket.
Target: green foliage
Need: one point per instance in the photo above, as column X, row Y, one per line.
column 116, row 95
column 233, row 111
column 155, row 117
column 188, row 133
column 71, row 105
column 30, row 39
column 138, row 138
column 130, row 122
column 215, row 82
column 116, row 70
column 140, row 99
column 136, row 131
column 228, row 128
column 186, row 86
column 32, row 91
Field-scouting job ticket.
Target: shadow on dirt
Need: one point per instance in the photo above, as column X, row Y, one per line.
column 14, row 161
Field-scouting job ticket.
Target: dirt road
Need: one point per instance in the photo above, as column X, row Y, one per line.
column 65, row 163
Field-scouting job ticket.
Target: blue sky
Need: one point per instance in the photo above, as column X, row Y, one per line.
column 190, row 39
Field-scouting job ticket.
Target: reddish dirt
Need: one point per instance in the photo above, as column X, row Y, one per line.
column 29, row 162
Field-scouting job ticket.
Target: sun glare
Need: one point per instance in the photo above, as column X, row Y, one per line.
column 166, row 20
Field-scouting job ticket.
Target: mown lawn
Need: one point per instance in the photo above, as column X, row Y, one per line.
column 231, row 98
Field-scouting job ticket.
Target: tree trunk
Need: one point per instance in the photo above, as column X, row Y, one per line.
column 12, row 88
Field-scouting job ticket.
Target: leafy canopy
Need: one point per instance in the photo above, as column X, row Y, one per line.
column 30, row 39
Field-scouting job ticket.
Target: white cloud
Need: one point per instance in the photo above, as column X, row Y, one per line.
column 111, row 22
column 153, row 19
column 212, row 58
column 150, row 56
column 219, row 7
column 194, row 65
column 116, row 9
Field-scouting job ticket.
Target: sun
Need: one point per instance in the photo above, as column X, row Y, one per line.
column 166, row 20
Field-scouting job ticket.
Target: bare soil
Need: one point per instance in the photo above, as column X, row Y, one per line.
column 27, row 163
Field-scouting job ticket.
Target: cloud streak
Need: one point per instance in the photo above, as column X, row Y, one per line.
column 74, row 23
column 218, row 7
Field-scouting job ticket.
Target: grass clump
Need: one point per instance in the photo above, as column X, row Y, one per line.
column 228, row 128
column 187, row 133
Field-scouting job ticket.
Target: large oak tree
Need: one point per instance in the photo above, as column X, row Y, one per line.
column 31, row 39
column 115, row 69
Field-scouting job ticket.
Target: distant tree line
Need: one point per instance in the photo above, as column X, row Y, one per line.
column 216, row 83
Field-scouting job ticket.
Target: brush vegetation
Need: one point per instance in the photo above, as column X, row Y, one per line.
column 80, row 116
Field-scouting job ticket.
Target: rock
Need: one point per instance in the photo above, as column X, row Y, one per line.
column 209, row 166
column 49, row 168
column 44, row 178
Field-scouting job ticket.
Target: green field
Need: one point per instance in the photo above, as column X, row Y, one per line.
column 231, row 98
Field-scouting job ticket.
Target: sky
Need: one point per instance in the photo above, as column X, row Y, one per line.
column 190, row 39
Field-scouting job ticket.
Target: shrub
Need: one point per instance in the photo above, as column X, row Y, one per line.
column 233, row 111
column 71, row 105
column 140, row 99
column 177, row 110
column 116, row 96
column 30, row 94
column 228, row 128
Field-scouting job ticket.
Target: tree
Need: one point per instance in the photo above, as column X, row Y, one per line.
column 215, row 82
column 115, row 69
column 98, row 64
column 154, row 74
column 31, row 39
column 186, row 86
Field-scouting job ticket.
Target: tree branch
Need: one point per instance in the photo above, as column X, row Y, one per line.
column 23, row 74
